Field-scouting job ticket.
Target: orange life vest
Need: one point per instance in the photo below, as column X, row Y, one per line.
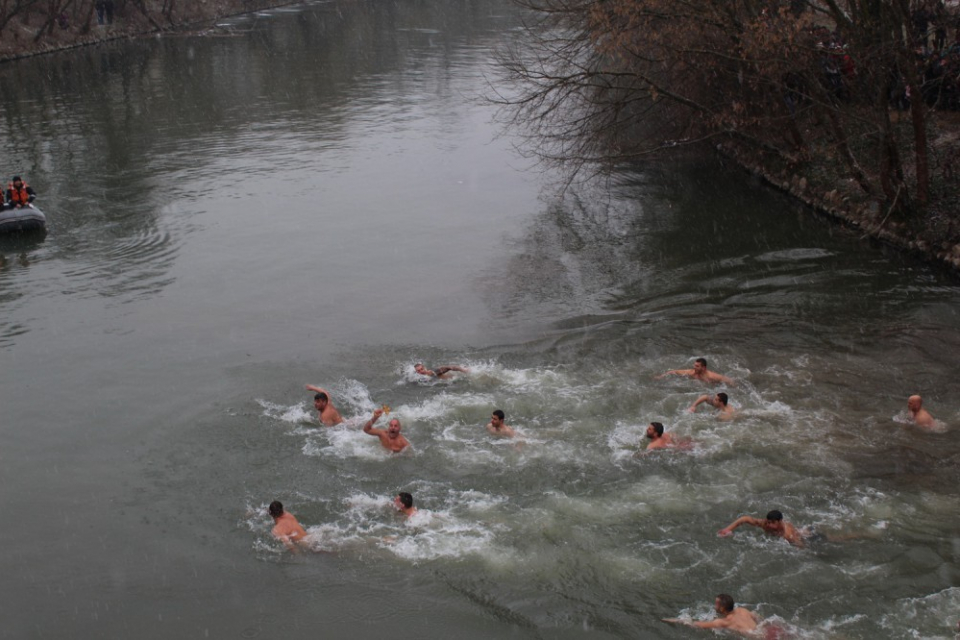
column 19, row 196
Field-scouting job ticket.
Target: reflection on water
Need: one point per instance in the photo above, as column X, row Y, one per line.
column 317, row 199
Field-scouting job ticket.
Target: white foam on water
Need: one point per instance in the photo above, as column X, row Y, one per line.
column 625, row 440
column 295, row 414
column 351, row 443
column 836, row 622
column 436, row 536
column 922, row 617
column 372, row 522
column 440, row 407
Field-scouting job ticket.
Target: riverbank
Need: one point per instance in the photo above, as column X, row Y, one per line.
column 933, row 236
column 35, row 30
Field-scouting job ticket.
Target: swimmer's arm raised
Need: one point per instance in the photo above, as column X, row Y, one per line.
column 368, row 427
column 728, row 530
column 311, row 387
column 699, row 401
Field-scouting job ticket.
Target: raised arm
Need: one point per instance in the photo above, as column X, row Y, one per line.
column 699, row 401
column 368, row 427
column 311, row 387
column 728, row 530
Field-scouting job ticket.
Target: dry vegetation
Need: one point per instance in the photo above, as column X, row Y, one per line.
column 830, row 99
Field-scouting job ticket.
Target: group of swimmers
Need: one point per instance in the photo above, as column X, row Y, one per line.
column 289, row 531
column 729, row 617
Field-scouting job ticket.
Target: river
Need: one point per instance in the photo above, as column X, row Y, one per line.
column 319, row 194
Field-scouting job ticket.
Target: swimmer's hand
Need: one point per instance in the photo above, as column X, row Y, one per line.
column 725, row 532
column 376, row 414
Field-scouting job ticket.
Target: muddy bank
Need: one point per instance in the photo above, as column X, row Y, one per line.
column 935, row 239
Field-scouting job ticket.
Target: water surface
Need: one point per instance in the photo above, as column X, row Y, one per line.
column 318, row 195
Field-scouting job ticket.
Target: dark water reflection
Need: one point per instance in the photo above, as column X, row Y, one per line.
column 316, row 195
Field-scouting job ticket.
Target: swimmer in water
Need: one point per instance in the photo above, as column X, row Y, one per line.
column 326, row 412
column 404, row 504
column 920, row 416
column 718, row 401
column 390, row 437
column 497, row 427
column 286, row 529
column 660, row 440
column 699, row 372
column 441, row 373
column 729, row 617
column 775, row 525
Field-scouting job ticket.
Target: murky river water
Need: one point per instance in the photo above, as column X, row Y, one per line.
column 317, row 195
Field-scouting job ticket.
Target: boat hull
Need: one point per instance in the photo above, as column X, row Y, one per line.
column 22, row 220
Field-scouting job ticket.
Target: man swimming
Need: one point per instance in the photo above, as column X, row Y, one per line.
column 404, row 504
column 326, row 412
column 286, row 529
column 440, row 373
column 658, row 439
column 719, row 401
column 774, row 524
column 729, row 617
column 920, row 416
column 497, row 427
column 390, row 437
column 699, row 372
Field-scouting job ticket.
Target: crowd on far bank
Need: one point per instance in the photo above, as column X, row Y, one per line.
column 936, row 41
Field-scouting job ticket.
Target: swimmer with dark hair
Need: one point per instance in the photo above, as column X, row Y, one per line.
column 498, row 427
column 774, row 524
column 286, row 529
column 729, row 617
column 326, row 412
column 441, row 373
column 719, row 401
column 699, row 372
column 404, row 504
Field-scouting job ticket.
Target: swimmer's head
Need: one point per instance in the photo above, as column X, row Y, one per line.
column 276, row 509
column 497, row 418
column 700, row 364
column 914, row 403
column 419, row 368
column 722, row 397
column 403, row 500
column 393, row 429
column 320, row 401
column 724, row 604
column 654, row 428
column 774, row 522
